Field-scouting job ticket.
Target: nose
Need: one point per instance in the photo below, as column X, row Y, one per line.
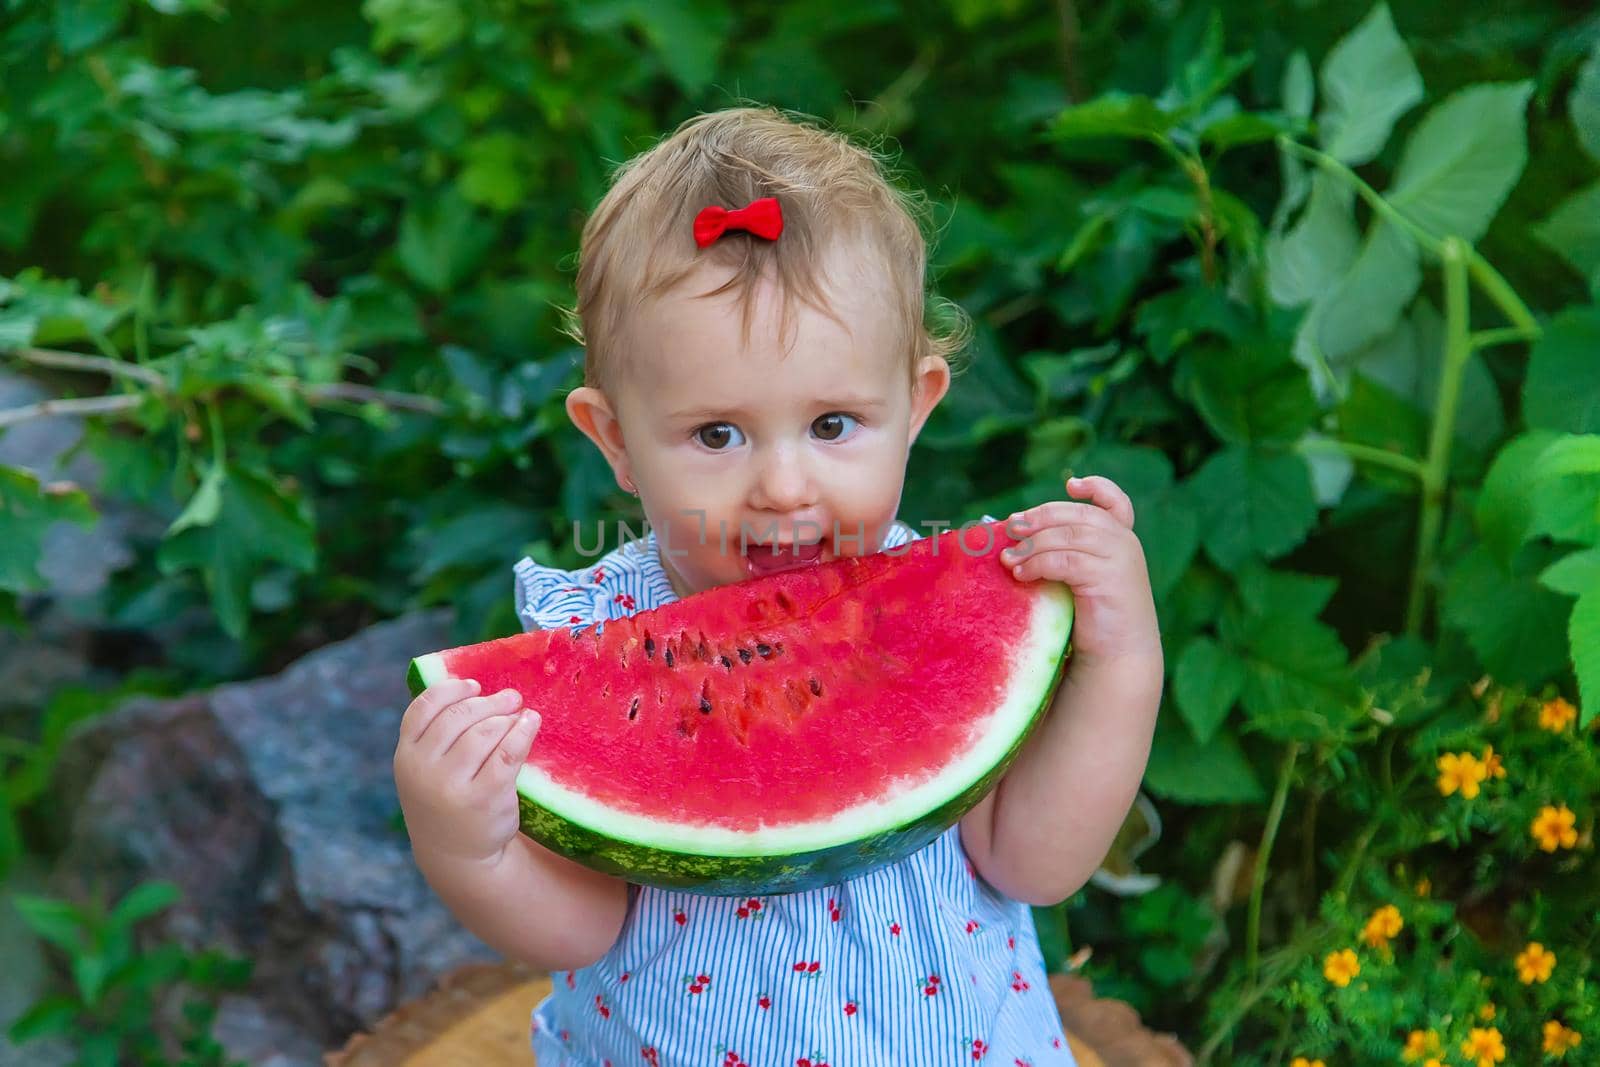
column 783, row 482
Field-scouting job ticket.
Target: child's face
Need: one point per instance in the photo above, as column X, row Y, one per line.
column 719, row 436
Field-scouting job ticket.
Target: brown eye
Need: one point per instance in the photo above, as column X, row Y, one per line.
column 716, row 435
column 831, row 427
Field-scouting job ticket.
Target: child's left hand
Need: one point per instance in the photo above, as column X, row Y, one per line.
column 1093, row 549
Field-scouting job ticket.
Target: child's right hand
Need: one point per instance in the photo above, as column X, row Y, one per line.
column 455, row 768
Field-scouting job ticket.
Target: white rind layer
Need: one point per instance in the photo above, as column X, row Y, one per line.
column 431, row 668
column 1034, row 668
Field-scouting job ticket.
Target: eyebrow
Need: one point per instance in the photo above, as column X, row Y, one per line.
column 833, row 403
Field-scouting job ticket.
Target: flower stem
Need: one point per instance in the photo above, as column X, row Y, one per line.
column 1258, row 882
column 1436, row 467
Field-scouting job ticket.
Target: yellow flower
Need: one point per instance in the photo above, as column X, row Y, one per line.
column 1301, row 1061
column 1558, row 1039
column 1341, row 966
column 1485, row 1046
column 1424, row 886
column 1421, row 1043
column 1486, row 1012
column 1381, row 926
column 1555, row 715
column 1535, row 963
column 1555, row 827
column 1491, row 763
column 1461, row 770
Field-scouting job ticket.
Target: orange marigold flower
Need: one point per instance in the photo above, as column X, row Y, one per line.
column 1486, row 1012
column 1491, row 763
column 1301, row 1061
column 1485, row 1046
column 1420, row 1043
column 1341, row 966
column 1555, row 828
column 1463, row 771
column 1424, row 886
column 1556, row 715
column 1381, row 926
column 1558, row 1039
column 1535, row 963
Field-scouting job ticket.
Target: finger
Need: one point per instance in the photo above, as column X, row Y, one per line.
column 1057, row 513
column 506, row 758
column 1068, row 566
column 459, row 717
column 462, row 761
column 1105, row 493
column 1080, row 536
column 431, row 701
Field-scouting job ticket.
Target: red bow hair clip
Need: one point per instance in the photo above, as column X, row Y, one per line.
column 763, row 217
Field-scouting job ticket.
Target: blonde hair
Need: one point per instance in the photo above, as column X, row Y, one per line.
column 639, row 241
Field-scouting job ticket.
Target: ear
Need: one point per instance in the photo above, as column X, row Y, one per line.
column 592, row 413
column 928, row 386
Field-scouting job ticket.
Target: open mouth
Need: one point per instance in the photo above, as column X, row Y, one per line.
column 780, row 556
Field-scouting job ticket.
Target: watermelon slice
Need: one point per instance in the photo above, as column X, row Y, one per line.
column 784, row 732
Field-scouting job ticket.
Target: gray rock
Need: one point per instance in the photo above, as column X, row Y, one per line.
column 272, row 805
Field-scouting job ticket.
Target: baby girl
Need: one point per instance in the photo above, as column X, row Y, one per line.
column 751, row 302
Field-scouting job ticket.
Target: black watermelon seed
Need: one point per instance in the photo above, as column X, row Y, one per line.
column 763, row 650
column 816, row 688
column 705, row 706
column 649, row 646
column 633, row 712
column 702, row 652
column 728, row 663
column 744, row 655
column 668, row 655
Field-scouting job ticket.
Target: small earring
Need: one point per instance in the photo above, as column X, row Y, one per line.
column 628, row 487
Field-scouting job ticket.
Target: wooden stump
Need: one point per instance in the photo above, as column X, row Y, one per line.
column 478, row 1015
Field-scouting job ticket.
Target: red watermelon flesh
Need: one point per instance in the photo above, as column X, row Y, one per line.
column 784, row 730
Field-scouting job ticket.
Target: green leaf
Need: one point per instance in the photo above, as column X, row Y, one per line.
column 1583, row 635
column 1575, row 574
column 145, row 900
column 494, row 172
column 687, row 37
column 1517, row 628
column 1573, row 231
column 1299, row 89
column 1562, row 388
column 1503, row 511
column 1365, row 304
column 1297, row 682
column 27, row 510
column 1569, row 454
column 1460, row 163
column 442, row 242
column 1315, row 253
column 1584, row 105
column 56, row 1014
column 57, row 921
column 1184, row 770
column 1258, row 504
column 82, row 24
column 255, row 523
column 1112, row 114
column 89, row 971
column 1247, row 128
column 430, row 26
column 1251, row 392
column 1368, row 82
column 1206, row 683
column 206, row 503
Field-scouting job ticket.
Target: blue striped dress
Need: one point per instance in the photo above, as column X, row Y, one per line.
column 919, row 963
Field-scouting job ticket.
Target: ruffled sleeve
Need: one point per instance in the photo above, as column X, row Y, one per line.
column 547, row 597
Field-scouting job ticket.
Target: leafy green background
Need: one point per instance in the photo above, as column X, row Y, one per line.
column 1315, row 282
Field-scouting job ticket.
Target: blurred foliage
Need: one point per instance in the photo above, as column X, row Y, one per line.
column 1266, row 265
